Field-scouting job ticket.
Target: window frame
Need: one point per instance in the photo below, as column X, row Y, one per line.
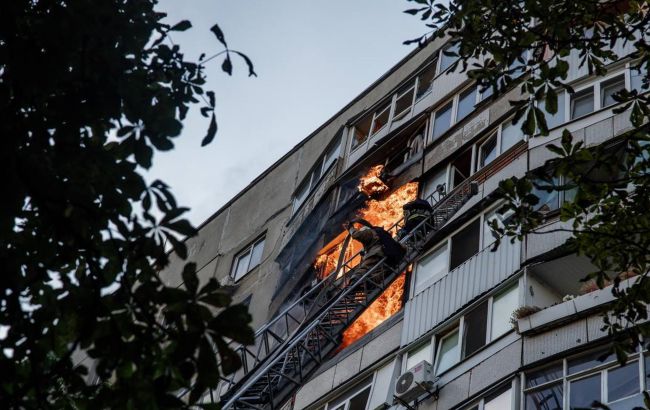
column 322, row 165
column 440, row 55
column 453, row 102
column 441, row 337
column 247, row 250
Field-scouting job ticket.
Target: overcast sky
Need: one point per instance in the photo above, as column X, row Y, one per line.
column 312, row 58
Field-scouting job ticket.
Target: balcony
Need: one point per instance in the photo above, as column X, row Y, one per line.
column 451, row 292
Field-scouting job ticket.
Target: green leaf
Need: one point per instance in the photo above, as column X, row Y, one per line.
column 212, row 131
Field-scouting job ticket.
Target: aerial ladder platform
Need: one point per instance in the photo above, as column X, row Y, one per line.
column 291, row 347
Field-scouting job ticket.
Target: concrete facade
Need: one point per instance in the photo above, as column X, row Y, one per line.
column 490, row 358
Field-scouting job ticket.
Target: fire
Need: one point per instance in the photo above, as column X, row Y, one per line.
column 385, row 306
column 371, row 184
column 384, row 209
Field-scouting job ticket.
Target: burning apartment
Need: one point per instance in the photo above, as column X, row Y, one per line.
column 453, row 325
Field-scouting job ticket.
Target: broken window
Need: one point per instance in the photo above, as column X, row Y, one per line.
column 466, row 102
column 425, row 80
column 465, row 244
column 247, row 259
column 582, row 103
column 447, row 60
column 609, row 88
column 404, row 101
column 442, row 120
column 475, row 329
column 461, row 168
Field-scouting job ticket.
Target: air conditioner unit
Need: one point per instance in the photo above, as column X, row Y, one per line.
column 415, row 382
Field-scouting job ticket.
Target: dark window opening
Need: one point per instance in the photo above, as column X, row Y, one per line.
column 461, row 168
column 361, row 131
column 475, row 329
column 425, row 80
column 465, row 244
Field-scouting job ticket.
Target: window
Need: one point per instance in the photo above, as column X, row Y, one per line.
column 361, row 131
column 425, row 80
column 448, row 351
column 500, row 400
column 380, row 118
column 587, row 379
column 404, row 102
column 502, row 307
column 609, row 88
column 510, row 135
column 356, row 399
column 582, row 103
column 557, row 119
column 431, row 267
column 436, row 185
column 313, row 178
column 494, row 215
column 636, row 79
column 247, row 260
column 475, row 329
column 442, row 121
column 461, row 168
column 416, row 356
column 464, row 244
column 487, row 151
column 549, row 198
column 466, row 102
column 447, row 60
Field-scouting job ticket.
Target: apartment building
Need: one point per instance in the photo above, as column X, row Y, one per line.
column 480, row 329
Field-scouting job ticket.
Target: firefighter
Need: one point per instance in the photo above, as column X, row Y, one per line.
column 415, row 212
column 377, row 244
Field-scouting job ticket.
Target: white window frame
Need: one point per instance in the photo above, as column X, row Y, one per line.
column 454, row 100
column 377, row 113
column 603, row 368
column 439, row 57
column 428, row 344
column 396, row 116
column 353, row 392
column 248, row 249
column 514, row 399
column 444, row 243
column 445, row 335
column 433, row 63
column 322, row 169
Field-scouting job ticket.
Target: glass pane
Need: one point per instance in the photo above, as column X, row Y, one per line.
column 623, row 381
column 315, row 176
column 502, row 402
column 437, row 183
column 510, row 135
column 430, row 267
column 636, row 80
column 381, row 118
column 360, row 401
column 502, row 308
column 545, row 375
column 633, row 402
column 301, row 195
column 557, row 119
column 466, row 103
column 488, row 152
column 446, row 61
column 548, row 201
column 549, row 398
column 361, row 131
column 256, row 257
column 403, row 104
column 442, row 121
column 242, row 265
column 465, row 244
column 425, row 80
column 589, row 361
column 416, row 356
column 582, row 103
column 487, row 92
column 475, row 326
column 584, row 392
column 449, row 352
column 501, row 219
column 332, row 155
column 609, row 88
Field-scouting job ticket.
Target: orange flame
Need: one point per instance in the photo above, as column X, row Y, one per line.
column 370, row 184
column 385, row 306
column 386, row 212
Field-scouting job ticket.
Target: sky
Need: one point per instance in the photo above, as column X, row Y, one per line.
column 311, row 57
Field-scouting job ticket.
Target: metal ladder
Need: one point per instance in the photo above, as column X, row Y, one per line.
column 290, row 347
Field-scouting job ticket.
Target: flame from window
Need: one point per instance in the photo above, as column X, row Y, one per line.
column 383, row 209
